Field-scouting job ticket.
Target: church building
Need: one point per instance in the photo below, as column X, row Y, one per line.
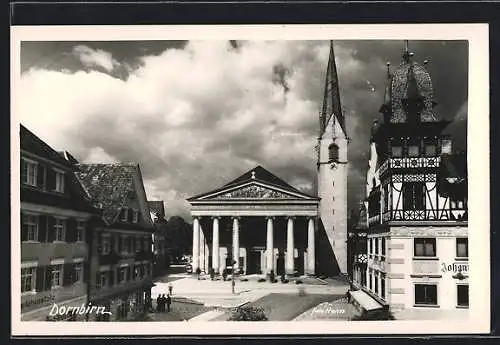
column 262, row 224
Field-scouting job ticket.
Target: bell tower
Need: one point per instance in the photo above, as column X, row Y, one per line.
column 332, row 178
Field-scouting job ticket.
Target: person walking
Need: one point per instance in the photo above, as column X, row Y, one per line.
column 168, row 301
column 158, row 303
column 170, row 288
column 163, row 301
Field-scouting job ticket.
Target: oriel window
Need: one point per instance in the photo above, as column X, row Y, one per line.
column 413, row 150
column 430, row 150
column 397, row 151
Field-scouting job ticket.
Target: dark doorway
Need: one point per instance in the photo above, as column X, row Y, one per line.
column 280, row 265
column 254, row 266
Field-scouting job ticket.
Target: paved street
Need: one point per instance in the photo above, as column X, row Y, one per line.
column 280, row 301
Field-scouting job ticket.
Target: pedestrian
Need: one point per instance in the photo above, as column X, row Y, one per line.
column 163, row 301
column 169, row 301
column 170, row 288
column 158, row 303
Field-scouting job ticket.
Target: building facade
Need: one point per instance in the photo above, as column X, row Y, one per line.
column 417, row 202
column 56, row 218
column 162, row 257
column 121, row 250
column 331, row 184
column 257, row 221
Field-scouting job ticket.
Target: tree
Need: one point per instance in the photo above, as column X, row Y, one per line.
column 178, row 234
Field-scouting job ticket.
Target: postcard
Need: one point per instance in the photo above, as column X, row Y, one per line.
column 250, row 180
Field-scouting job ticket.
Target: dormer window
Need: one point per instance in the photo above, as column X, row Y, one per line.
column 446, row 146
column 430, row 150
column 397, row 151
column 135, row 217
column 333, row 152
column 413, row 150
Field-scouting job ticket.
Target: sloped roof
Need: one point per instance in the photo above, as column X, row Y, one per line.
column 33, row 144
column 109, row 185
column 454, row 166
column 157, row 207
column 257, row 174
column 68, row 157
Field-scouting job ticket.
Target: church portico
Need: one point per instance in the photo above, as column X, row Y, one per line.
column 260, row 222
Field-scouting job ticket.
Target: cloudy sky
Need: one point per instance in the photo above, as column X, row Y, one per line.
column 195, row 114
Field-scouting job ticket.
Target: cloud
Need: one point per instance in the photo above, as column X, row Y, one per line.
column 94, row 58
column 198, row 115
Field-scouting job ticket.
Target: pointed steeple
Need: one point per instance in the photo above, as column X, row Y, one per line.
column 331, row 97
column 413, row 103
column 386, row 107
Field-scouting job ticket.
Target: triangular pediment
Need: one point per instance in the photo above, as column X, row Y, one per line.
column 253, row 191
column 256, row 184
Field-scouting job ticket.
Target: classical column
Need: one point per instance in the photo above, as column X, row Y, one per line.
column 311, row 253
column 270, row 246
column 196, row 244
column 236, row 243
column 202, row 249
column 290, row 248
column 215, row 245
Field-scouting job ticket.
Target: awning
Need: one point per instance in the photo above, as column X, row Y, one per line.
column 365, row 301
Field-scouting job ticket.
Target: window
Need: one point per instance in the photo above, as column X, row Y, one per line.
column 413, row 151
column 31, row 227
column 80, row 231
column 333, row 152
column 77, row 272
column 430, row 150
column 446, row 146
column 382, row 286
column 135, row 216
column 138, row 244
column 462, row 247
column 28, row 279
column 106, row 245
column 383, row 245
column 386, row 198
column 397, row 151
column 463, row 295
column 59, row 181
column 122, row 277
column 125, row 244
column 137, row 272
column 413, row 196
column 426, row 294
column 376, row 283
column 124, row 214
column 370, row 280
column 376, row 245
column 60, row 229
column 370, row 246
column 56, row 275
column 425, row 247
column 104, row 279
column 29, row 173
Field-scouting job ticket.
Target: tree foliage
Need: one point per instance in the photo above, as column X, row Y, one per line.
column 178, row 234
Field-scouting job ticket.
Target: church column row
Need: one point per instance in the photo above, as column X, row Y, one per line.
column 200, row 250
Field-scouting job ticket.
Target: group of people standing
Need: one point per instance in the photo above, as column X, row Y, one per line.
column 162, row 301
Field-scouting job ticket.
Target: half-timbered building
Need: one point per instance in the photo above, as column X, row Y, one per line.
column 416, row 199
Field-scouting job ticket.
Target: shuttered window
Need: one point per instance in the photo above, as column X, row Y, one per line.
column 105, row 245
column 60, row 181
column 77, row 272
column 80, row 231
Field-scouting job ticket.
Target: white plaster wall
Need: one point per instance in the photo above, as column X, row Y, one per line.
column 332, row 189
